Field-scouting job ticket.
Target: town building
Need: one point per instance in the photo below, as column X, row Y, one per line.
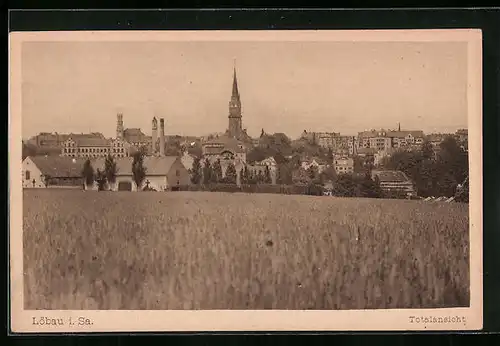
column 380, row 156
column 318, row 164
column 163, row 173
column 394, row 182
column 52, row 143
column 387, row 139
column 231, row 147
column 339, row 144
column 259, row 168
column 462, row 135
column 235, row 127
column 133, row 136
column 326, row 139
column 52, row 171
column 48, row 140
column 269, row 161
column 187, row 160
column 343, row 165
column 345, row 145
column 91, row 147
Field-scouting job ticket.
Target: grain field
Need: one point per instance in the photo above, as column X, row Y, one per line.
column 201, row 250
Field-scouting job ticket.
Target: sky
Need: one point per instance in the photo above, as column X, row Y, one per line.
column 287, row 87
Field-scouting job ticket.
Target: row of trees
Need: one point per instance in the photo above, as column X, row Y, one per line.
column 433, row 174
column 107, row 177
column 212, row 173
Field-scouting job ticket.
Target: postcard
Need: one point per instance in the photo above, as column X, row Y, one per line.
column 190, row 181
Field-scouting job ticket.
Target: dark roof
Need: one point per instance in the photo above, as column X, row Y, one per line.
column 390, row 176
column 58, row 166
column 221, row 144
column 133, row 131
column 92, row 142
column 135, row 135
column 155, row 165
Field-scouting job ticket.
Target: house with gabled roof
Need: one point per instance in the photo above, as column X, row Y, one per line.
column 319, row 164
column 396, row 182
column 52, row 171
column 163, row 173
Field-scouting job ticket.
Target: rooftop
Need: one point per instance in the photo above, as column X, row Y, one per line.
column 58, row 166
column 222, row 143
column 155, row 165
column 390, row 176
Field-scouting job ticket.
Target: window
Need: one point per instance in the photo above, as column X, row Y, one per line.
column 27, row 175
column 177, row 173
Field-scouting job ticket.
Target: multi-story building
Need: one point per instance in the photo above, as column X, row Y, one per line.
column 380, row 143
column 383, row 140
column 343, row 165
column 76, row 146
column 54, row 142
column 326, row 139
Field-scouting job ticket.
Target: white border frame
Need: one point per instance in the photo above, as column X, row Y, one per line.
column 252, row 320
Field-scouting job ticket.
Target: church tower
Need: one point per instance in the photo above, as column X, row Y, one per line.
column 154, row 136
column 119, row 125
column 235, row 128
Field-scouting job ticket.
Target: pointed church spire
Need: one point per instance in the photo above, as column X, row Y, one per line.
column 235, row 93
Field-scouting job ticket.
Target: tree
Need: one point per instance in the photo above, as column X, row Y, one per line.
column 110, row 169
column 242, row 176
column 196, row 171
column 230, row 174
column 328, row 174
column 100, row 178
column 88, row 173
column 257, row 154
column 433, row 176
column 284, row 173
column 344, row 186
column 312, row 172
column 329, row 156
column 46, row 179
column 207, row 172
column 267, row 176
column 260, row 177
column 138, row 169
column 216, row 175
column 427, row 151
column 358, row 164
column 300, row 176
column 368, row 187
column 453, row 159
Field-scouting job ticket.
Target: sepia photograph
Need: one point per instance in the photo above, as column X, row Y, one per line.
column 245, row 180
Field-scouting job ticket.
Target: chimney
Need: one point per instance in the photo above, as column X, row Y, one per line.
column 162, row 137
column 154, row 136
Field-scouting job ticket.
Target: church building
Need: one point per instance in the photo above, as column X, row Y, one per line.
column 232, row 146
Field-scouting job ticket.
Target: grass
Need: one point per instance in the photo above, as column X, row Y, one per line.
column 196, row 250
